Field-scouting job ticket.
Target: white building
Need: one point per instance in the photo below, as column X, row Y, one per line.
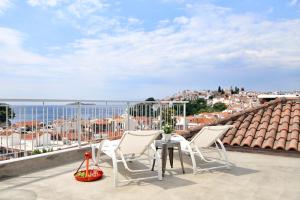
column 9, row 139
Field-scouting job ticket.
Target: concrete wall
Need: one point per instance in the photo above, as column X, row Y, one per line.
column 24, row 165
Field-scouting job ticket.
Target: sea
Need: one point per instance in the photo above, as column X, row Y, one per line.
column 47, row 114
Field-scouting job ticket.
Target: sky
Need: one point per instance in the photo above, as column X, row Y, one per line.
column 134, row 49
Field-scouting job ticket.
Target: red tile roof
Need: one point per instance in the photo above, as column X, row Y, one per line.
column 274, row 125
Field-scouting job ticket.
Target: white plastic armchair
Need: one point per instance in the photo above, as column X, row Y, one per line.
column 202, row 142
column 131, row 147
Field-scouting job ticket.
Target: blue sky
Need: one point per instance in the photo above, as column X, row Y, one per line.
column 133, row 49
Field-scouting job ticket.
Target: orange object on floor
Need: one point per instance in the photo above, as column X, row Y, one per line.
column 88, row 175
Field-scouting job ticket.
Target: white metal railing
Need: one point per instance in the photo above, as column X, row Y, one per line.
column 31, row 126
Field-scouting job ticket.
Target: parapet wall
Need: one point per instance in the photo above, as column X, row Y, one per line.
column 24, row 165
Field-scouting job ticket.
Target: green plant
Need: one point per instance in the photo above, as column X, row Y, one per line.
column 6, row 113
column 44, row 150
column 167, row 129
column 36, row 151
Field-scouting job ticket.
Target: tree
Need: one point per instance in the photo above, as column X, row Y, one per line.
column 6, row 113
column 242, row 89
column 142, row 109
column 218, row 107
column 219, row 89
column 193, row 107
column 150, row 99
column 236, row 90
column 231, row 90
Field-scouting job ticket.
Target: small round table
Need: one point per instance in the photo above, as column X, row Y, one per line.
column 168, row 147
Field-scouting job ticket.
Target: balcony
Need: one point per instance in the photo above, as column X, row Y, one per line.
column 254, row 176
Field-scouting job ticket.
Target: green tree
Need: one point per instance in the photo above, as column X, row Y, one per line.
column 219, row 89
column 142, row 109
column 200, row 106
column 218, row 107
column 236, row 90
column 150, row 99
column 6, row 113
column 193, row 107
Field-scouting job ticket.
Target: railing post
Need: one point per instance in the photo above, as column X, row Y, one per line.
column 160, row 116
column 128, row 116
column 184, row 116
column 78, row 121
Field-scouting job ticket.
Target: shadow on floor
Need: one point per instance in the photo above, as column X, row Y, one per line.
column 234, row 170
column 171, row 180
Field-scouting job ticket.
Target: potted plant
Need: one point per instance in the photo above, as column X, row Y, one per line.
column 167, row 132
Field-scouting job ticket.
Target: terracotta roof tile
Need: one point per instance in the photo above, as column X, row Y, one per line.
column 257, row 142
column 268, row 143
column 296, row 107
column 285, row 119
column 257, row 117
column 292, row 145
column 296, row 119
column 248, row 137
column 279, row 144
column 277, row 112
column 274, row 125
column 284, row 126
column 264, row 125
column 296, row 113
column 295, row 127
column 275, row 119
column 282, row 134
column 229, row 136
column 270, row 134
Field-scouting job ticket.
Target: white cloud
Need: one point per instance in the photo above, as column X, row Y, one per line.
column 4, row 5
column 211, row 38
column 134, row 21
column 294, row 2
column 45, row 3
column 181, row 20
column 15, row 59
column 200, row 41
column 81, row 8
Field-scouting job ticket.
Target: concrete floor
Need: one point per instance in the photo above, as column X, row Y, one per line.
column 254, row 176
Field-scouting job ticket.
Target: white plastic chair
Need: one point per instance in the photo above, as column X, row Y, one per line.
column 132, row 146
column 202, row 142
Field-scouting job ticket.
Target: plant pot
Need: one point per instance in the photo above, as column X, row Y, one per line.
column 166, row 137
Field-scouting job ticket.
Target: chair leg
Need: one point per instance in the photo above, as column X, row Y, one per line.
column 193, row 159
column 115, row 171
column 159, row 166
column 224, row 153
column 171, row 154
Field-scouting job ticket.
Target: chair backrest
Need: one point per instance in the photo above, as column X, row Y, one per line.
column 136, row 142
column 209, row 134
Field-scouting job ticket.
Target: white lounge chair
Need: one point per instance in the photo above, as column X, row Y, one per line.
column 132, row 146
column 203, row 142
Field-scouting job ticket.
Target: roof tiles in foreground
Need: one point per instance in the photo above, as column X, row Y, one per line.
column 274, row 125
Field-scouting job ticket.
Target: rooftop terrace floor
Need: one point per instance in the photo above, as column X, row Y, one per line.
column 254, row 176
